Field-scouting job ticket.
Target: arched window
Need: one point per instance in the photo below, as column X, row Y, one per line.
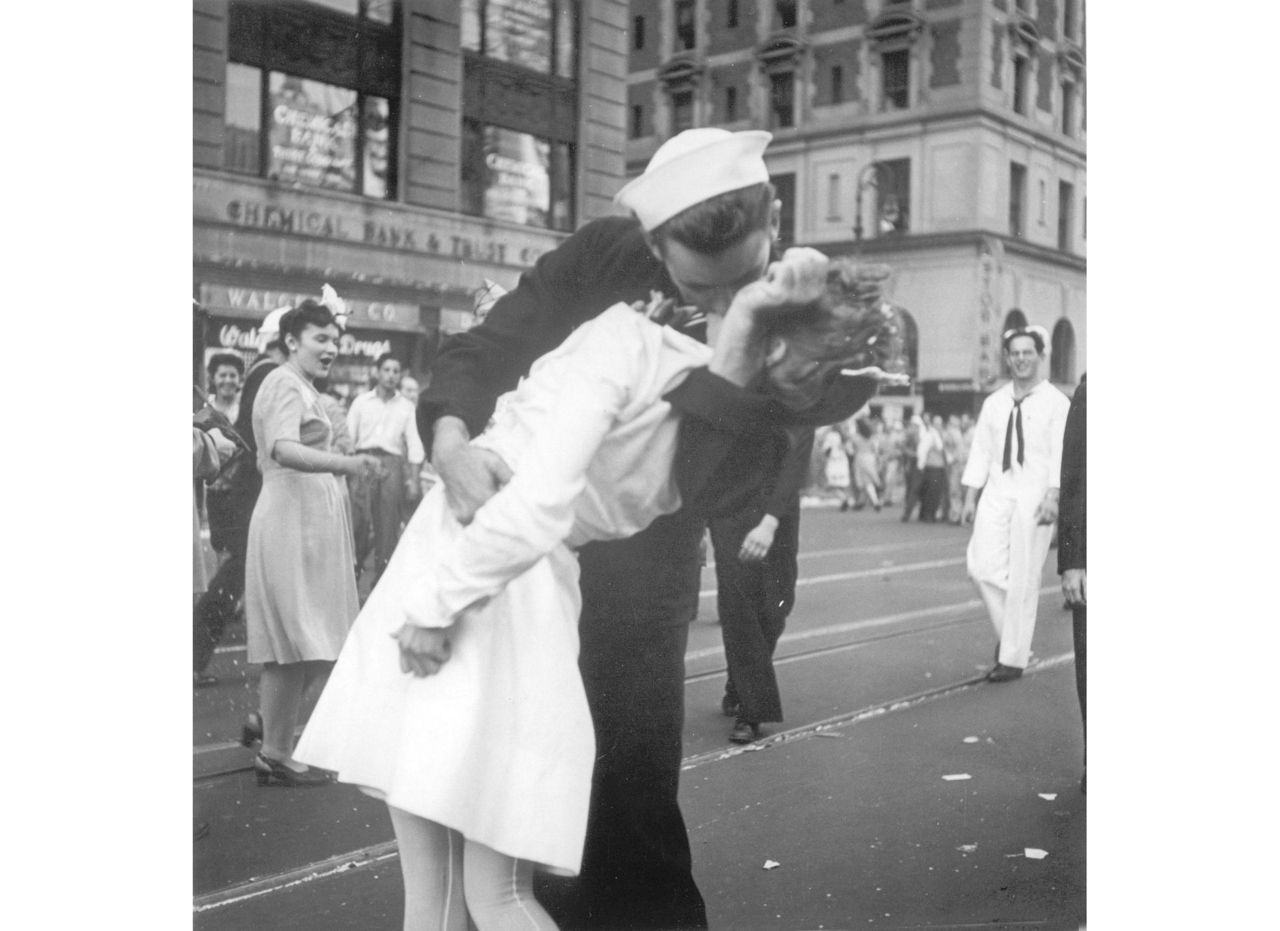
column 1012, row 321
column 1062, row 358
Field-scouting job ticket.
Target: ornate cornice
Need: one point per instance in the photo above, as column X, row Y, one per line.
column 902, row 26
column 680, row 71
column 780, row 50
column 1025, row 31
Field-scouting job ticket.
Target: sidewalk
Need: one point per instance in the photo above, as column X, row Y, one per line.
column 865, row 830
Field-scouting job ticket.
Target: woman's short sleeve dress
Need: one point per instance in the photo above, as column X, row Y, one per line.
column 300, row 586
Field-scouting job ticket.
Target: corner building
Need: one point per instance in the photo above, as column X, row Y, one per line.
column 943, row 137
column 401, row 150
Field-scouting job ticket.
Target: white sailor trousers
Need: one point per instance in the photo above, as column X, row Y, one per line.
column 1005, row 560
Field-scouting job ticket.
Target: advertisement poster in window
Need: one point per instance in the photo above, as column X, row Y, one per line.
column 313, row 130
column 519, row 31
column 518, row 177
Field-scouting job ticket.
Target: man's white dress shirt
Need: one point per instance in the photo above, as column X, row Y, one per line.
column 386, row 425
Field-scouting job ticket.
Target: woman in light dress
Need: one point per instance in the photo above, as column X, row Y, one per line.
column 835, row 465
column 300, row 586
column 866, row 465
column 485, row 760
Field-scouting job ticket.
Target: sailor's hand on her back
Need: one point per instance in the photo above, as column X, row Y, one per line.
column 423, row 650
column 471, row 474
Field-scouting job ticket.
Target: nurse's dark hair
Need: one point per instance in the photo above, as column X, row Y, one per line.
column 308, row 313
column 720, row 222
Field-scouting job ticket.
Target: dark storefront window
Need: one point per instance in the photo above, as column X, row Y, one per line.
column 681, row 110
column 520, row 110
column 686, row 25
column 308, row 120
column 517, row 177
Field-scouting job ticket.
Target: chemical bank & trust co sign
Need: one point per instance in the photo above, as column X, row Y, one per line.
column 354, row 220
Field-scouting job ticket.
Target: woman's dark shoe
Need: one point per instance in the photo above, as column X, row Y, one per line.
column 274, row 773
column 844, row 505
column 730, row 706
column 251, row 733
column 744, row 732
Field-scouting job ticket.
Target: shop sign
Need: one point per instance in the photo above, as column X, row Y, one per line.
column 223, row 300
column 953, row 386
column 312, row 133
column 298, row 215
column 243, row 337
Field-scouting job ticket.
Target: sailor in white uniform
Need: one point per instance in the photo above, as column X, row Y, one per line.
column 1016, row 454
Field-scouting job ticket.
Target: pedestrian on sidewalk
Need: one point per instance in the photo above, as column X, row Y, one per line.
column 229, row 519
column 931, row 461
column 756, row 549
column 912, row 474
column 866, row 465
column 300, row 587
column 1015, row 462
column 486, row 750
column 835, row 469
column 382, row 424
column 1071, row 537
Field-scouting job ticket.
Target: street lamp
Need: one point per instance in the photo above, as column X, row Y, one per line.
column 889, row 206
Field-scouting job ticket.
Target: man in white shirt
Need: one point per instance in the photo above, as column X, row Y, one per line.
column 381, row 422
column 1015, row 461
column 931, row 460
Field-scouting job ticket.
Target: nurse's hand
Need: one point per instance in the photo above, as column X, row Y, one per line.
column 798, row 278
column 423, row 650
column 471, row 474
column 757, row 543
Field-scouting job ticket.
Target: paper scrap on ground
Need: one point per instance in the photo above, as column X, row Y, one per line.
column 1035, row 853
column 827, row 734
column 967, row 848
column 771, row 864
column 971, row 740
column 1048, row 796
column 955, row 776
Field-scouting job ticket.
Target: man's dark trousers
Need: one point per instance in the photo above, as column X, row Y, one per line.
column 637, row 866
column 753, row 600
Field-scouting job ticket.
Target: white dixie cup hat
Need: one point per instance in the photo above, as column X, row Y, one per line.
column 694, row 166
column 269, row 328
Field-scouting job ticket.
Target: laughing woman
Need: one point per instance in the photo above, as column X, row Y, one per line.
column 300, row 587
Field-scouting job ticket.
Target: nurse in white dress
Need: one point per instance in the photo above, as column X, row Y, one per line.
column 493, row 753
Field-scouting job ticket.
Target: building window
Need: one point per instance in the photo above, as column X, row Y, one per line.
column 1043, row 198
column 681, row 110
column 1024, row 6
column 784, row 187
column 895, row 80
column 1062, row 353
column 837, row 84
column 242, row 148
column 1069, row 18
column 730, row 104
column 787, row 13
column 782, row 99
column 731, row 14
column 686, row 25
column 1068, row 107
column 637, row 33
column 833, row 196
column 1021, row 74
column 893, row 197
column 540, row 35
column 1017, row 198
column 1066, row 199
column 517, row 177
column 637, row 121
column 308, row 121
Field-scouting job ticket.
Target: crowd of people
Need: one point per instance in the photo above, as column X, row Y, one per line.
column 513, row 685
column 868, row 461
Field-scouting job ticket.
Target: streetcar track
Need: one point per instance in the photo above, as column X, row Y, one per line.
column 366, row 857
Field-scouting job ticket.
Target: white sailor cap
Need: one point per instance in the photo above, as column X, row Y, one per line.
column 694, row 166
column 269, row 328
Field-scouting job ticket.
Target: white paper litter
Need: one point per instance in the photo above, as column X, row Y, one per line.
column 967, row 848
column 957, row 776
column 771, row 864
column 971, row 740
column 1048, row 796
column 1035, row 853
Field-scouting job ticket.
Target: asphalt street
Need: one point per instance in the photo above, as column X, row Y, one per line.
column 902, row 791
